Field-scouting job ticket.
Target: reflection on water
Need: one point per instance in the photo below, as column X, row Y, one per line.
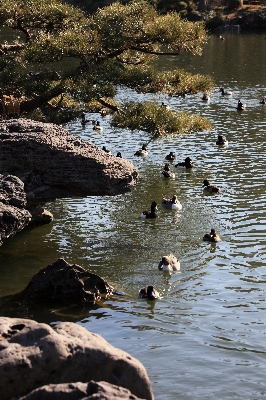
column 206, row 336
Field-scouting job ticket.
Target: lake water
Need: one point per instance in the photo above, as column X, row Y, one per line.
column 205, row 337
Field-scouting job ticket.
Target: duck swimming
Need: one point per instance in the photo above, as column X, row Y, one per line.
column 225, row 92
column 86, row 121
column 169, row 263
column 212, row 236
column 222, row 140
column 150, row 213
column 149, row 293
column 142, row 152
column 106, row 151
column 263, row 101
column 186, row 164
column 172, row 204
column 205, row 97
column 97, row 127
column 165, row 106
column 208, row 188
column 240, row 105
column 171, row 156
column 167, row 173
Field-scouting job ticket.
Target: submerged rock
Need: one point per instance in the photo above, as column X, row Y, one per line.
column 35, row 354
column 61, row 282
column 52, row 163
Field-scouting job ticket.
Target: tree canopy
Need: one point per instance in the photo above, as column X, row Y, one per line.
column 61, row 61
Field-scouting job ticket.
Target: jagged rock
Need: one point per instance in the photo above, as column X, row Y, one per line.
column 52, row 163
column 80, row 391
column 13, row 216
column 12, row 221
column 34, row 354
column 61, row 282
column 12, row 191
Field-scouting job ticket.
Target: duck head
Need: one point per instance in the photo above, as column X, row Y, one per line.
column 206, row 182
column 154, row 206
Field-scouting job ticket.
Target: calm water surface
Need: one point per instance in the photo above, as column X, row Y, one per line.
column 206, row 336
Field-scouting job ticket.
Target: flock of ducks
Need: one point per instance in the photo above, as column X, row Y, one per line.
column 170, row 263
column 240, row 106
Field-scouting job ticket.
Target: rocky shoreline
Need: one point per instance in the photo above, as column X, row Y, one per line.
column 41, row 162
column 65, row 361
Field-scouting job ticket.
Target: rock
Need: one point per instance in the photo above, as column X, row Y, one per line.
column 13, row 216
column 40, row 215
column 12, row 221
column 61, row 282
column 79, row 390
column 34, row 354
column 13, row 213
column 52, row 163
column 12, row 191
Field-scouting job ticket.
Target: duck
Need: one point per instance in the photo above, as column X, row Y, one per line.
column 167, row 173
column 171, row 156
column 221, row 37
column 119, row 154
column 142, row 152
column 205, row 97
column 222, row 140
column 169, row 263
column 86, row 121
column 98, row 127
column 150, row 213
column 208, row 188
column 225, row 92
column 212, row 236
column 149, row 293
column 106, row 151
column 172, row 204
column 240, row 105
column 186, row 164
column 165, row 106
column 263, row 101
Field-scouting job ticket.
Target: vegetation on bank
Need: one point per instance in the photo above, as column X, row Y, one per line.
column 62, row 61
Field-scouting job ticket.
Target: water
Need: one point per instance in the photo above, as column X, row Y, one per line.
column 205, row 338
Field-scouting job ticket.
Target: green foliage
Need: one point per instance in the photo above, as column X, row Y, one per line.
column 157, row 120
column 94, row 54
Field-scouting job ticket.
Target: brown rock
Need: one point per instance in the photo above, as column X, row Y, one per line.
column 33, row 354
column 80, row 391
column 61, row 282
column 52, row 163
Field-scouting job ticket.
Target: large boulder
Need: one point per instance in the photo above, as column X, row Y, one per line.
column 13, row 216
column 34, row 354
column 52, row 163
column 80, row 391
column 61, row 282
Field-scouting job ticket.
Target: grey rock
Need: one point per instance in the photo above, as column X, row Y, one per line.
column 80, row 391
column 52, row 163
column 34, row 354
